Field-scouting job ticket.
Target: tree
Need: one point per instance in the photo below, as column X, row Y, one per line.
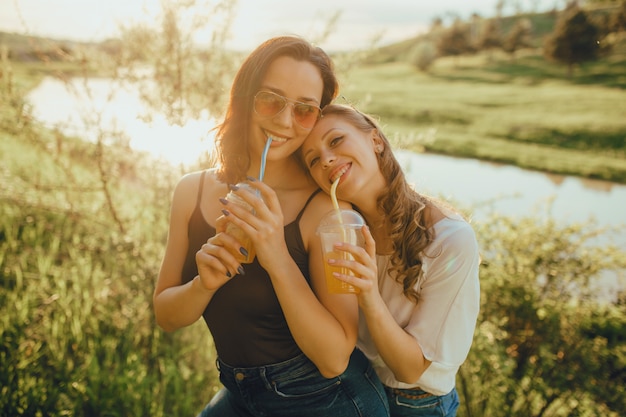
column 518, row 37
column 179, row 75
column 455, row 40
column 617, row 21
column 575, row 39
column 490, row 36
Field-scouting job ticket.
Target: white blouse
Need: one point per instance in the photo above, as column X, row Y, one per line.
column 444, row 318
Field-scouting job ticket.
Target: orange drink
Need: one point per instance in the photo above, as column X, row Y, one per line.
column 340, row 226
column 236, row 232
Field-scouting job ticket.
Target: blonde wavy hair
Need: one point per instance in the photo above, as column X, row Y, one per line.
column 404, row 207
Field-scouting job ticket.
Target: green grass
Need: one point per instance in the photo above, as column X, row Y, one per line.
column 79, row 337
column 523, row 112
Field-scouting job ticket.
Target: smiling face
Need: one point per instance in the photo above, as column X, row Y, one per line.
column 296, row 81
column 336, row 148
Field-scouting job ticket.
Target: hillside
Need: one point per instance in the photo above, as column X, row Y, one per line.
column 542, row 24
column 516, row 109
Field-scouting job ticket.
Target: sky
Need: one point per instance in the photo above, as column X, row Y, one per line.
column 359, row 23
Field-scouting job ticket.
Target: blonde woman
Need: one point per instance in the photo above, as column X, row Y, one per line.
column 418, row 276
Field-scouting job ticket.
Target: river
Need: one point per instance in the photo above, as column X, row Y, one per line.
column 479, row 186
column 482, row 185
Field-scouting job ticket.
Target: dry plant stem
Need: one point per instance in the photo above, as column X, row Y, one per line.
column 105, row 188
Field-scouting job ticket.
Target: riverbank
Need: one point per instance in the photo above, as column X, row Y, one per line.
column 485, row 109
column 522, row 112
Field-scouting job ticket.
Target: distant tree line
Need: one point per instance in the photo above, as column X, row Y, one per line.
column 578, row 35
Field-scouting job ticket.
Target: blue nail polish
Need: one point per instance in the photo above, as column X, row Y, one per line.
column 240, row 270
column 228, row 274
column 243, row 251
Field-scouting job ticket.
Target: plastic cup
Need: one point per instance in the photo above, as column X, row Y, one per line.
column 237, row 232
column 340, row 226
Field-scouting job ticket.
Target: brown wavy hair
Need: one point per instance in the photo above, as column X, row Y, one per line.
column 403, row 206
column 231, row 138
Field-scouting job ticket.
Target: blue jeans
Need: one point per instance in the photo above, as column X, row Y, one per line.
column 296, row 388
column 415, row 402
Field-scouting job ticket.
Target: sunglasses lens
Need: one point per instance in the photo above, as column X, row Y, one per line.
column 305, row 114
column 268, row 104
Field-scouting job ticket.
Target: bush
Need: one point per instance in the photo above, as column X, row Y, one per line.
column 79, row 336
column 545, row 345
column 424, row 55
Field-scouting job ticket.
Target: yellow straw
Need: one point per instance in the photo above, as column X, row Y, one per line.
column 333, row 193
column 333, row 197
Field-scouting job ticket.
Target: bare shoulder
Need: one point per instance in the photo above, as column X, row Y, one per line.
column 318, row 207
column 322, row 204
column 187, row 188
column 189, row 183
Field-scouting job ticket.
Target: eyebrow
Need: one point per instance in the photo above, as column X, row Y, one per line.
column 305, row 100
column 324, row 135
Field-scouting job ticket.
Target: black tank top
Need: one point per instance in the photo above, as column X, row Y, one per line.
column 244, row 316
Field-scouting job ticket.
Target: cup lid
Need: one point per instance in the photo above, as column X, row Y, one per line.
column 343, row 216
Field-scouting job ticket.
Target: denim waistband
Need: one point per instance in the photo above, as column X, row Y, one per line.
column 276, row 371
column 297, row 366
column 296, row 384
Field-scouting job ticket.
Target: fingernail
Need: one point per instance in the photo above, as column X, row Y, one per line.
column 240, row 270
column 251, row 179
column 233, row 187
column 225, row 212
column 223, row 201
column 228, row 274
column 243, row 251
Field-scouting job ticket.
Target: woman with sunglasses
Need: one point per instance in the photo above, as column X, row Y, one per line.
column 285, row 346
column 418, row 274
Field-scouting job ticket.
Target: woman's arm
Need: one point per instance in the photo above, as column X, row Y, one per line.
column 399, row 349
column 324, row 328
column 444, row 315
column 176, row 304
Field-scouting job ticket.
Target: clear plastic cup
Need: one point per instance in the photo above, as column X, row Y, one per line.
column 340, row 226
column 237, row 232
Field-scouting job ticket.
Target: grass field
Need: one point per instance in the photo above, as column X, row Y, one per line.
column 83, row 228
column 523, row 111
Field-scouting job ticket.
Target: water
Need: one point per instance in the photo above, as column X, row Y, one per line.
column 514, row 191
column 83, row 109
column 481, row 186
column 511, row 190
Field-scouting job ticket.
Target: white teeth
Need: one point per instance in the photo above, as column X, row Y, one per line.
column 339, row 174
column 275, row 138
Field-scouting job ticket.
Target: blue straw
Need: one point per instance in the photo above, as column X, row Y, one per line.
column 265, row 150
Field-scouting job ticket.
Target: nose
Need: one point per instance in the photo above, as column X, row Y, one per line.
column 285, row 117
column 327, row 158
